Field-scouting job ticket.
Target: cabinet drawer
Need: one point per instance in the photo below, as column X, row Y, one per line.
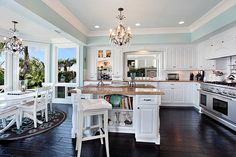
column 147, row 99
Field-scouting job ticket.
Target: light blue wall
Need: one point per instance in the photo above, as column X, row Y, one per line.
column 170, row 38
column 82, row 50
column 50, row 63
column 222, row 20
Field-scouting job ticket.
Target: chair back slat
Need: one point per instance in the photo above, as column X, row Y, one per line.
column 41, row 96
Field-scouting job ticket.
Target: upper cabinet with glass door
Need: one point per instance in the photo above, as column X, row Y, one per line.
column 104, row 54
column 104, row 64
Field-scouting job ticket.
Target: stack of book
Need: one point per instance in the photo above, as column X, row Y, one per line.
column 125, row 102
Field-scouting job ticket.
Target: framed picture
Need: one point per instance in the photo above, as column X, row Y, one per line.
column 100, row 53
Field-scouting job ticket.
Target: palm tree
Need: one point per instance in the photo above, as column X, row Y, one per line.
column 24, row 64
column 35, row 76
column 67, row 75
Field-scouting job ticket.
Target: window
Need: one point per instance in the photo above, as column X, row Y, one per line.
column 67, row 66
column 32, row 67
column 2, row 71
column 65, row 75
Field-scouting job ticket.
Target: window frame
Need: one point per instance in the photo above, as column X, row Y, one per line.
column 46, row 57
column 54, row 67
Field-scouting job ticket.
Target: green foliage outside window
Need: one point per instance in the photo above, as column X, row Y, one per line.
column 64, row 72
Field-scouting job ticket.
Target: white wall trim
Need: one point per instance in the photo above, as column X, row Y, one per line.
column 60, row 9
column 215, row 11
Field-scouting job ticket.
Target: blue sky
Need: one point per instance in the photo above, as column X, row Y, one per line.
column 63, row 53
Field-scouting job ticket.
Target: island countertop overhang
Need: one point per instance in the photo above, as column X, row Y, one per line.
column 126, row 90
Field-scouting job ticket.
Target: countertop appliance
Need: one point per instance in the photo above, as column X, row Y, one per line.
column 218, row 100
column 173, row 76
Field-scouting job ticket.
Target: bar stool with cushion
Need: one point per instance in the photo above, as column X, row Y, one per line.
column 92, row 107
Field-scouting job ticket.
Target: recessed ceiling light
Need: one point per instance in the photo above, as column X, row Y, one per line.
column 96, row 26
column 181, row 22
column 137, row 24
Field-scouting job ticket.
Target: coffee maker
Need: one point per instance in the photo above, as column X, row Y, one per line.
column 200, row 75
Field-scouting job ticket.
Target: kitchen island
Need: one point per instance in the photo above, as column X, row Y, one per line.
column 137, row 110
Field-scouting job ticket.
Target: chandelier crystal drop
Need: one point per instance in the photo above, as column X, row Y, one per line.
column 13, row 44
column 120, row 35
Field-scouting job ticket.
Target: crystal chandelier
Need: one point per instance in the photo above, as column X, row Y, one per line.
column 13, row 44
column 120, row 35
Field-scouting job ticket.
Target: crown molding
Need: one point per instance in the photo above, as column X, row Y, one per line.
column 215, row 11
column 60, row 9
column 141, row 31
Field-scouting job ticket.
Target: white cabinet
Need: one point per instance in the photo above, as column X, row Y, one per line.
column 176, row 93
column 91, row 64
column 98, row 57
column 203, row 51
column 180, row 58
column 147, row 118
column 222, row 45
column 117, row 65
column 113, row 57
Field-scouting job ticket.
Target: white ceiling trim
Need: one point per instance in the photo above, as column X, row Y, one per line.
column 60, row 9
column 141, row 31
column 217, row 10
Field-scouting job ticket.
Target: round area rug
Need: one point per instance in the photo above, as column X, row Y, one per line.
column 27, row 129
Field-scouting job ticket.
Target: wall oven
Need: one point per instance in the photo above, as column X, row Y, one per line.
column 222, row 106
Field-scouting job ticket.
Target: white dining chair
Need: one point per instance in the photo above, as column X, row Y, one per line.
column 92, row 107
column 50, row 93
column 9, row 114
column 29, row 108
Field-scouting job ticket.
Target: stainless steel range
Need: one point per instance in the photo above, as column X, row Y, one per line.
column 221, row 88
column 218, row 100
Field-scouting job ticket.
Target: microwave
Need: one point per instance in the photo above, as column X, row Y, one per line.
column 173, row 76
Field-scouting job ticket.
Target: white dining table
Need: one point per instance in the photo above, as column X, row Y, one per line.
column 16, row 96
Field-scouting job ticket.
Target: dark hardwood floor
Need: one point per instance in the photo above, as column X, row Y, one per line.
column 184, row 133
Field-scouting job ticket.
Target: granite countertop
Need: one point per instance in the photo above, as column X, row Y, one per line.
column 122, row 86
column 148, row 81
column 125, row 90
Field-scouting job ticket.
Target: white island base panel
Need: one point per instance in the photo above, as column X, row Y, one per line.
column 145, row 118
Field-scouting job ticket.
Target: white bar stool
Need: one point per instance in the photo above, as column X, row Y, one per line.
column 92, row 107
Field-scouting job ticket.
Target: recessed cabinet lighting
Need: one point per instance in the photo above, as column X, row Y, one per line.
column 181, row 22
column 137, row 24
column 96, row 26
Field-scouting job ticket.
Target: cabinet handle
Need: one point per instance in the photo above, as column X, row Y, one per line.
column 211, row 45
column 172, row 88
column 138, row 108
column 222, row 41
column 146, row 99
column 172, row 84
